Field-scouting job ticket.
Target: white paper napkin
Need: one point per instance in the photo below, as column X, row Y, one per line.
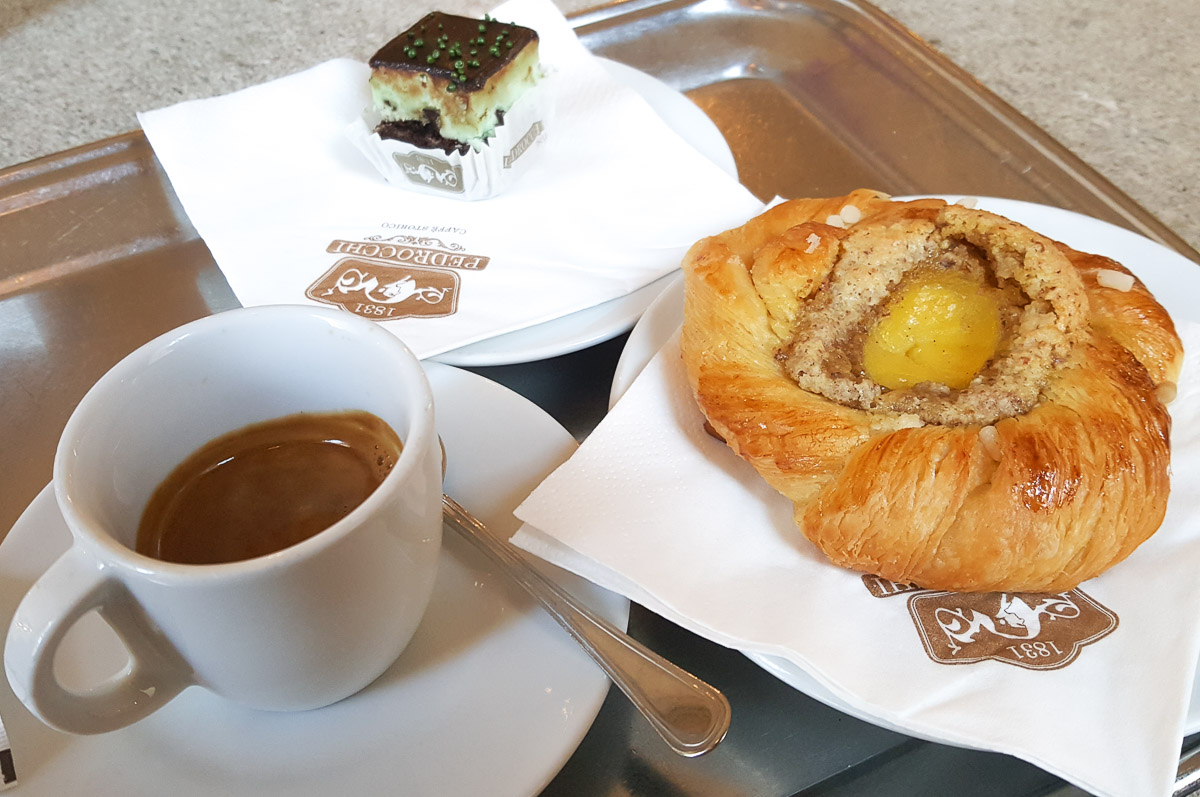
column 291, row 210
column 652, row 507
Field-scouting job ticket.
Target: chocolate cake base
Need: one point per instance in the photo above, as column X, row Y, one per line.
column 424, row 134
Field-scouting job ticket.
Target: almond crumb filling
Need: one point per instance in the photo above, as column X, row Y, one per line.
column 1042, row 306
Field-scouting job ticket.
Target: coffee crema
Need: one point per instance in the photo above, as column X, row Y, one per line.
column 268, row 486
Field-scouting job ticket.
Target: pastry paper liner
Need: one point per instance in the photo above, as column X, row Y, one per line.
column 477, row 174
column 8, row 772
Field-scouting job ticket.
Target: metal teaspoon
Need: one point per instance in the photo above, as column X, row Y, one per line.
column 691, row 716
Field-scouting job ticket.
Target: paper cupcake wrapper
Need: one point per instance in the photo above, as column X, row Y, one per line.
column 475, row 175
column 8, row 773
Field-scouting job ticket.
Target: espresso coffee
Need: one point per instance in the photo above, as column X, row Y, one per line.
column 263, row 488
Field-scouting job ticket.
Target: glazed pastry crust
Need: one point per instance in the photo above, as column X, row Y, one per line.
column 1036, row 502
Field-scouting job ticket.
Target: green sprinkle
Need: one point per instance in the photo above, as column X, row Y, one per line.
column 508, row 44
column 452, row 88
column 494, row 51
column 458, row 65
column 482, row 27
column 419, row 43
column 473, row 63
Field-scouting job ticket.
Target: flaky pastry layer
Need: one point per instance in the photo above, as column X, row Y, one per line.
column 1039, row 500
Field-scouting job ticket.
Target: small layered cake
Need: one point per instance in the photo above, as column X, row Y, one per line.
column 457, row 106
column 447, row 82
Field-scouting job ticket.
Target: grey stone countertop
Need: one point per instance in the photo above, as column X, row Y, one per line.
column 1113, row 80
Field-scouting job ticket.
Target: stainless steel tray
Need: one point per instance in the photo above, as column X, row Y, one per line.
column 815, row 98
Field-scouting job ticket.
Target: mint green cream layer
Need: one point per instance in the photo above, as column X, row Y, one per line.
column 464, row 116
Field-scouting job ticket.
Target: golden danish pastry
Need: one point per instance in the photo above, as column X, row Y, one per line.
column 948, row 398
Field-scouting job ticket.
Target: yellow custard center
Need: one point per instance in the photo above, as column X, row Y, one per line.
column 940, row 327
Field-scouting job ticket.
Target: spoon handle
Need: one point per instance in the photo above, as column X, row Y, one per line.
column 691, row 716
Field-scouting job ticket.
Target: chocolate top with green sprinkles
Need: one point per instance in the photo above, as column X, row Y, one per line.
column 465, row 51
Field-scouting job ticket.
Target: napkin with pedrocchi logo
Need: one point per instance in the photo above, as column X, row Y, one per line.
column 1092, row 685
column 293, row 213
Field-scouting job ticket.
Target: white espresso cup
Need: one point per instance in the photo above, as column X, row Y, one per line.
column 296, row 629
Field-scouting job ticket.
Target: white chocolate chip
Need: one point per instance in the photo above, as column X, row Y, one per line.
column 1119, row 280
column 814, row 241
column 850, row 214
column 967, row 202
column 1166, row 392
column 835, row 221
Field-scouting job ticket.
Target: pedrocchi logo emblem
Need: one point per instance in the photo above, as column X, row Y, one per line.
column 384, row 292
column 427, row 170
column 1036, row 631
column 400, row 276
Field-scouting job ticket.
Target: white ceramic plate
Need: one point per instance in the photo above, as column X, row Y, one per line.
column 491, row 697
column 604, row 321
column 1172, row 278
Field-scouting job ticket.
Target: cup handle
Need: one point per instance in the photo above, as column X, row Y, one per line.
column 72, row 586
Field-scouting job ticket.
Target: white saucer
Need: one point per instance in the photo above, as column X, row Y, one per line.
column 604, row 321
column 491, row 697
column 1173, row 279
